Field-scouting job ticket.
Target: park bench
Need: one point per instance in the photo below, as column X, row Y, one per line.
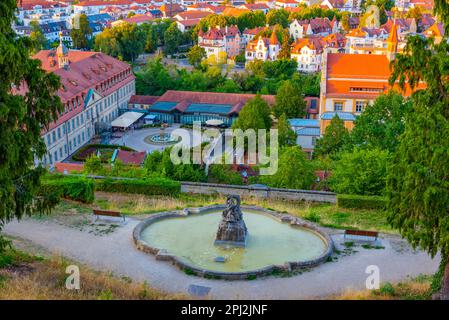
column 361, row 235
column 107, row 213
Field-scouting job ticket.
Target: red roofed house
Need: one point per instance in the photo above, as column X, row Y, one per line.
column 93, row 87
column 263, row 48
column 307, row 52
column 216, row 40
column 316, row 26
column 350, row 82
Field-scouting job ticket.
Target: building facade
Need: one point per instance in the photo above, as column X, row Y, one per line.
column 93, row 88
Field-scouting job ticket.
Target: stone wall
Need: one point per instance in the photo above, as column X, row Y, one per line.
column 256, row 191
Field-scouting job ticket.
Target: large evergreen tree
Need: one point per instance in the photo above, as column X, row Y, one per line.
column 290, row 101
column 22, row 117
column 335, row 137
column 255, row 114
column 418, row 179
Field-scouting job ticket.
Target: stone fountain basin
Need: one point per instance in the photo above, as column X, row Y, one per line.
column 184, row 264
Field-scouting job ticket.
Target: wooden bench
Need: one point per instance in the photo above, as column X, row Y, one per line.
column 107, row 213
column 368, row 235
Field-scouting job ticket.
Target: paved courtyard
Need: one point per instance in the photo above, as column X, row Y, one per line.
column 115, row 252
column 136, row 139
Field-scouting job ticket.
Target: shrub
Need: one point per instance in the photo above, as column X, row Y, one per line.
column 154, row 186
column 74, row 188
column 361, row 202
column 221, row 173
column 82, row 154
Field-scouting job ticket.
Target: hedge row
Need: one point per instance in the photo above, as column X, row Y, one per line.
column 156, row 186
column 361, row 202
column 74, row 188
column 77, row 157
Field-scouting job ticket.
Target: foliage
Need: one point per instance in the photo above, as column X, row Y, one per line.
column 22, row 119
column 125, row 41
column 153, row 186
column 277, row 16
column 381, row 124
column 295, row 171
column 39, row 42
column 286, row 136
column 172, row 38
column 255, row 115
column 352, row 201
column 334, row 139
column 221, row 173
column 289, row 101
column 417, row 182
column 260, row 77
column 82, row 155
column 360, row 171
column 81, row 36
column 196, row 55
column 74, row 188
column 307, row 13
column 93, row 165
column 159, row 164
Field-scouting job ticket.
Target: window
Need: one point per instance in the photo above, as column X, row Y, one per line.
column 338, row 106
column 48, row 140
column 60, row 152
column 59, row 132
column 359, row 106
column 50, row 159
column 82, row 136
column 56, row 156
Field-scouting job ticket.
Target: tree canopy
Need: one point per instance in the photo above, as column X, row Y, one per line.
column 381, row 124
column 295, row 171
column 290, row 101
column 335, row 137
column 22, row 117
column 255, row 114
column 418, row 180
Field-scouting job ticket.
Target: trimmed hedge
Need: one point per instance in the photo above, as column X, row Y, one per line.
column 156, row 186
column 74, row 188
column 76, row 156
column 361, row 202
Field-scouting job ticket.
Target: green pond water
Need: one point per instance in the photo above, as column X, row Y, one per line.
column 269, row 242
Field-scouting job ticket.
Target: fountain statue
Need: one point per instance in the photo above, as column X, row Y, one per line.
column 232, row 229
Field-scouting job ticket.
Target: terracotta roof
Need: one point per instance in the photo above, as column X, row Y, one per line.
column 363, row 66
column 131, row 157
column 436, row 30
column 185, row 98
column 190, row 23
column 193, row 14
column 311, row 43
column 233, row 12
column 136, row 99
column 61, row 167
column 138, row 18
column 274, row 39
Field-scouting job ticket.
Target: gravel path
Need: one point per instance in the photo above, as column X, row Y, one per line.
column 115, row 252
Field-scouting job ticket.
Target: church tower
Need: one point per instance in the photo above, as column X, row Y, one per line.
column 62, row 53
column 392, row 42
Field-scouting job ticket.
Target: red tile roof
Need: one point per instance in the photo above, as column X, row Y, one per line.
column 131, row 157
column 61, row 167
column 136, row 99
column 193, row 14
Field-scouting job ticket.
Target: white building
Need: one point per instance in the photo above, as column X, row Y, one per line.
column 94, row 87
column 263, row 48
